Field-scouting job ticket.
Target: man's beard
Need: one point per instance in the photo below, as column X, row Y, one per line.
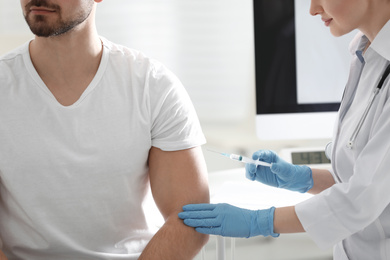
column 40, row 25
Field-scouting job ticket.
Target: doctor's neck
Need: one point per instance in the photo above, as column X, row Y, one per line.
column 372, row 26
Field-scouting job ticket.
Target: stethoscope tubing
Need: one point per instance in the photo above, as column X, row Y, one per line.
column 355, row 133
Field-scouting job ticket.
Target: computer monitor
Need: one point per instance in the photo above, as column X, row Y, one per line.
column 301, row 71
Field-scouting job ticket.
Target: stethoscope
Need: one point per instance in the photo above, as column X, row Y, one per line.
column 363, row 118
column 329, row 146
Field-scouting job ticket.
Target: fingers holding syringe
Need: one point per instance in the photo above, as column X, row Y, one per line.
column 265, row 156
column 260, row 173
column 250, row 171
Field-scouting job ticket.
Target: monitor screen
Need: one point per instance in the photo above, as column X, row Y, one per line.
column 301, row 71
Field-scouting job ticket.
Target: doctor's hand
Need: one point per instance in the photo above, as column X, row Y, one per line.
column 227, row 220
column 281, row 174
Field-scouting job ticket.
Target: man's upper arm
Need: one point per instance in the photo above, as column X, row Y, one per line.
column 2, row 256
column 178, row 178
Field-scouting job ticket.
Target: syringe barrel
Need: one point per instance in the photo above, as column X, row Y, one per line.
column 236, row 157
column 255, row 162
column 244, row 159
column 248, row 160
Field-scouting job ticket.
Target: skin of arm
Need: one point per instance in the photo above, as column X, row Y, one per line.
column 322, row 179
column 2, row 256
column 285, row 218
column 176, row 178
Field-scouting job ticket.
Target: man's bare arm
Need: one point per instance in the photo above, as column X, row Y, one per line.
column 177, row 178
column 2, row 256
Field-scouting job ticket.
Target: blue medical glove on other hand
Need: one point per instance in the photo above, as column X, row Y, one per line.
column 281, row 174
column 227, row 220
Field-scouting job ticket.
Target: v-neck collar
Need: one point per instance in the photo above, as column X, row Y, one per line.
column 92, row 85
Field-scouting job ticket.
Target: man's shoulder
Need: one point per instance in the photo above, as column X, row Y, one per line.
column 121, row 53
column 18, row 51
column 13, row 55
column 11, row 63
column 119, row 49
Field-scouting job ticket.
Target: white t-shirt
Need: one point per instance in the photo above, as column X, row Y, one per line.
column 73, row 179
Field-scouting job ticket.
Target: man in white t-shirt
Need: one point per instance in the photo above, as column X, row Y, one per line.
column 86, row 128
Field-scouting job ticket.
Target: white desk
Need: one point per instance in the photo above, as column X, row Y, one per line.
column 233, row 187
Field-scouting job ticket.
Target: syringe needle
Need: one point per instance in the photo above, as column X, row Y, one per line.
column 224, row 154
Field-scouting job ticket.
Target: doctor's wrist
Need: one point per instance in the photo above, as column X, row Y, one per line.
column 263, row 223
column 303, row 180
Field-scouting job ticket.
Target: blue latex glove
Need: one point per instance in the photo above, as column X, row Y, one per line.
column 281, row 174
column 227, row 220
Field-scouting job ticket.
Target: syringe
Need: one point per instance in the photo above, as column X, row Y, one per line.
column 243, row 159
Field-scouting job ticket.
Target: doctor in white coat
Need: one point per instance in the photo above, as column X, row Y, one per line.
column 351, row 209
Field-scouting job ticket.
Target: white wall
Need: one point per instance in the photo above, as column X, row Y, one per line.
column 208, row 44
column 13, row 28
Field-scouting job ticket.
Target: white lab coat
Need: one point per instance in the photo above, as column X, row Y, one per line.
column 354, row 214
